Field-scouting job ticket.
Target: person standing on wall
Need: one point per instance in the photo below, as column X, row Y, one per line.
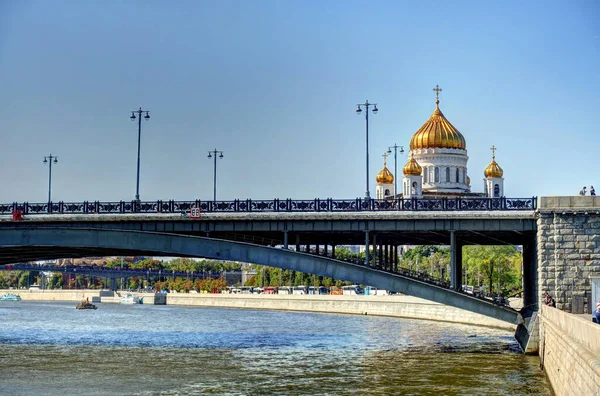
column 592, row 191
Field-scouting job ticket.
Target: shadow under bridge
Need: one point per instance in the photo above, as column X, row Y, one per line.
column 27, row 244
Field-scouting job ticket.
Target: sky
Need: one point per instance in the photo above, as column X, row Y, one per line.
column 274, row 85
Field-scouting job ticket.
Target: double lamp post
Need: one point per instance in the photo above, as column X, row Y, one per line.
column 366, row 105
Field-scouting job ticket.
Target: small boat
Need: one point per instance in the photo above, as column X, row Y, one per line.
column 130, row 299
column 10, row 297
column 85, row 305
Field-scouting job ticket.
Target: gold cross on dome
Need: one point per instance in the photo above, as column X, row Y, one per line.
column 385, row 155
column 493, row 148
column 437, row 91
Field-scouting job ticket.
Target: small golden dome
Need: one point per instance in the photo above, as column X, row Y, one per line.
column 437, row 132
column 493, row 169
column 384, row 176
column 468, row 181
column 412, row 167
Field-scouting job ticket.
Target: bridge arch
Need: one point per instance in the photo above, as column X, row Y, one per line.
column 19, row 244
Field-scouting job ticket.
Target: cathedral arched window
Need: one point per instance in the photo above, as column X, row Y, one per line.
column 425, row 175
column 437, row 174
column 386, row 193
column 464, row 175
column 447, row 175
column 457, row 172
column 496, row 190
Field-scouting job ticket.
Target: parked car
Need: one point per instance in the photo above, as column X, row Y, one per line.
column 300, row 290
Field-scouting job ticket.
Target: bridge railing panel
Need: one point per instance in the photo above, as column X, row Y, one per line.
column 275, row 205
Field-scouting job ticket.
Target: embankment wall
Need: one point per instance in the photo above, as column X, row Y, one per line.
column 570, row 352
column 397, row 306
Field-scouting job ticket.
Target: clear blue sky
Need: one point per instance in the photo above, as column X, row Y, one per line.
column 274, row 85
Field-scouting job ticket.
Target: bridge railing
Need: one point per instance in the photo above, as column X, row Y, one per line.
column 273, row 205
column 123, row 272
column 417, row 275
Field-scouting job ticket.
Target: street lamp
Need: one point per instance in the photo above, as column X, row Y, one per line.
column 48, row 160
column 132, row 118
column 395, row 147
column 359, row 112
column 213, row 154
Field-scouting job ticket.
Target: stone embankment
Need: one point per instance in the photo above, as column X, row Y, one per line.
column 570, row 352
column 395, row 306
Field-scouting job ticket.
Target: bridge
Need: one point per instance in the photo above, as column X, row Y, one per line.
column 224, row 228
column 112, row 273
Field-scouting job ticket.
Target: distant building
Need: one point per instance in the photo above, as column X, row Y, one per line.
column 437, row 165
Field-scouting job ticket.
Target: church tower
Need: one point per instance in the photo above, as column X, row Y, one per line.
column 493, row 182
column 441, row 151
column 412, row 186
column 385, row 182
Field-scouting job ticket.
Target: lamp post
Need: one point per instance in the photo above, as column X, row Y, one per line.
column 213, row 154
column 132, row 118
column 395, row 147
column 48, row 160
column 359, row 112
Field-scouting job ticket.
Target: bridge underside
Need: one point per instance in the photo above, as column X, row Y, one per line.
column 23, row 244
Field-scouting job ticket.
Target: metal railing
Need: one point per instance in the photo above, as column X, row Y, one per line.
column 111, row 272
column 420, row 276
column 273, row 205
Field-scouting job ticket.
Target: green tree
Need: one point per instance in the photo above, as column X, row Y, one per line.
column 494, row 266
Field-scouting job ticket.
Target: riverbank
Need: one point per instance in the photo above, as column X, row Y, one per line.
column 393, row 306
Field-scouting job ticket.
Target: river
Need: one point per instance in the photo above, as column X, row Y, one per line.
column 52, row 349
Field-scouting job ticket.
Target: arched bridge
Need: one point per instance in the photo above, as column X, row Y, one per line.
column 26, row 244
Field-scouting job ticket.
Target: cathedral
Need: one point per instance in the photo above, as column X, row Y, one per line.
column 437, row 165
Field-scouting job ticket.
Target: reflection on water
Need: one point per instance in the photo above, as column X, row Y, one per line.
column 51, row 348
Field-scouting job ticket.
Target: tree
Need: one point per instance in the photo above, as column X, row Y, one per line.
column 494, row 265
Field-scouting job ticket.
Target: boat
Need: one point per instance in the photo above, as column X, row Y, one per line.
column 10, row 297
column 130, row 299
column 85, row 305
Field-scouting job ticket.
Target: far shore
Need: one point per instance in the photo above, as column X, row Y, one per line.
column 401, row 306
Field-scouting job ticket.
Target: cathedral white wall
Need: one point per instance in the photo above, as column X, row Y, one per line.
column 442, row 159
column 412, row 187
column 380, row 191
column 490, row 186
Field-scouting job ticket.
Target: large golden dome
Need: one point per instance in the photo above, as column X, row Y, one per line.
column 493, row 169
column 412, row 167
column 384, row 176
column 437, row 132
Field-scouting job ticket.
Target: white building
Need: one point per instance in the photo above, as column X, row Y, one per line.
column 437, row 164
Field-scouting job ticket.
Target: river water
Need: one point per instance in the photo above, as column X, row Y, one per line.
column 50, row 348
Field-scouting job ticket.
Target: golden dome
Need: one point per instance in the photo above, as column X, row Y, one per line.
column 437, row 132
column 412, row 167
column 493, row 169
column 384, row 176
column 468, row 181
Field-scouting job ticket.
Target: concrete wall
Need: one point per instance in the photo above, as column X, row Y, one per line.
column 54, row 295
column 570, row 352
column 398, row 306
column 568, row 250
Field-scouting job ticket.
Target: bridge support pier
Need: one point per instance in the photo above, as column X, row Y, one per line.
column 455, row 262
column 530, row 292
column 285, row 240
column 367, row 248
column 113, row 284
column 374, row 254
